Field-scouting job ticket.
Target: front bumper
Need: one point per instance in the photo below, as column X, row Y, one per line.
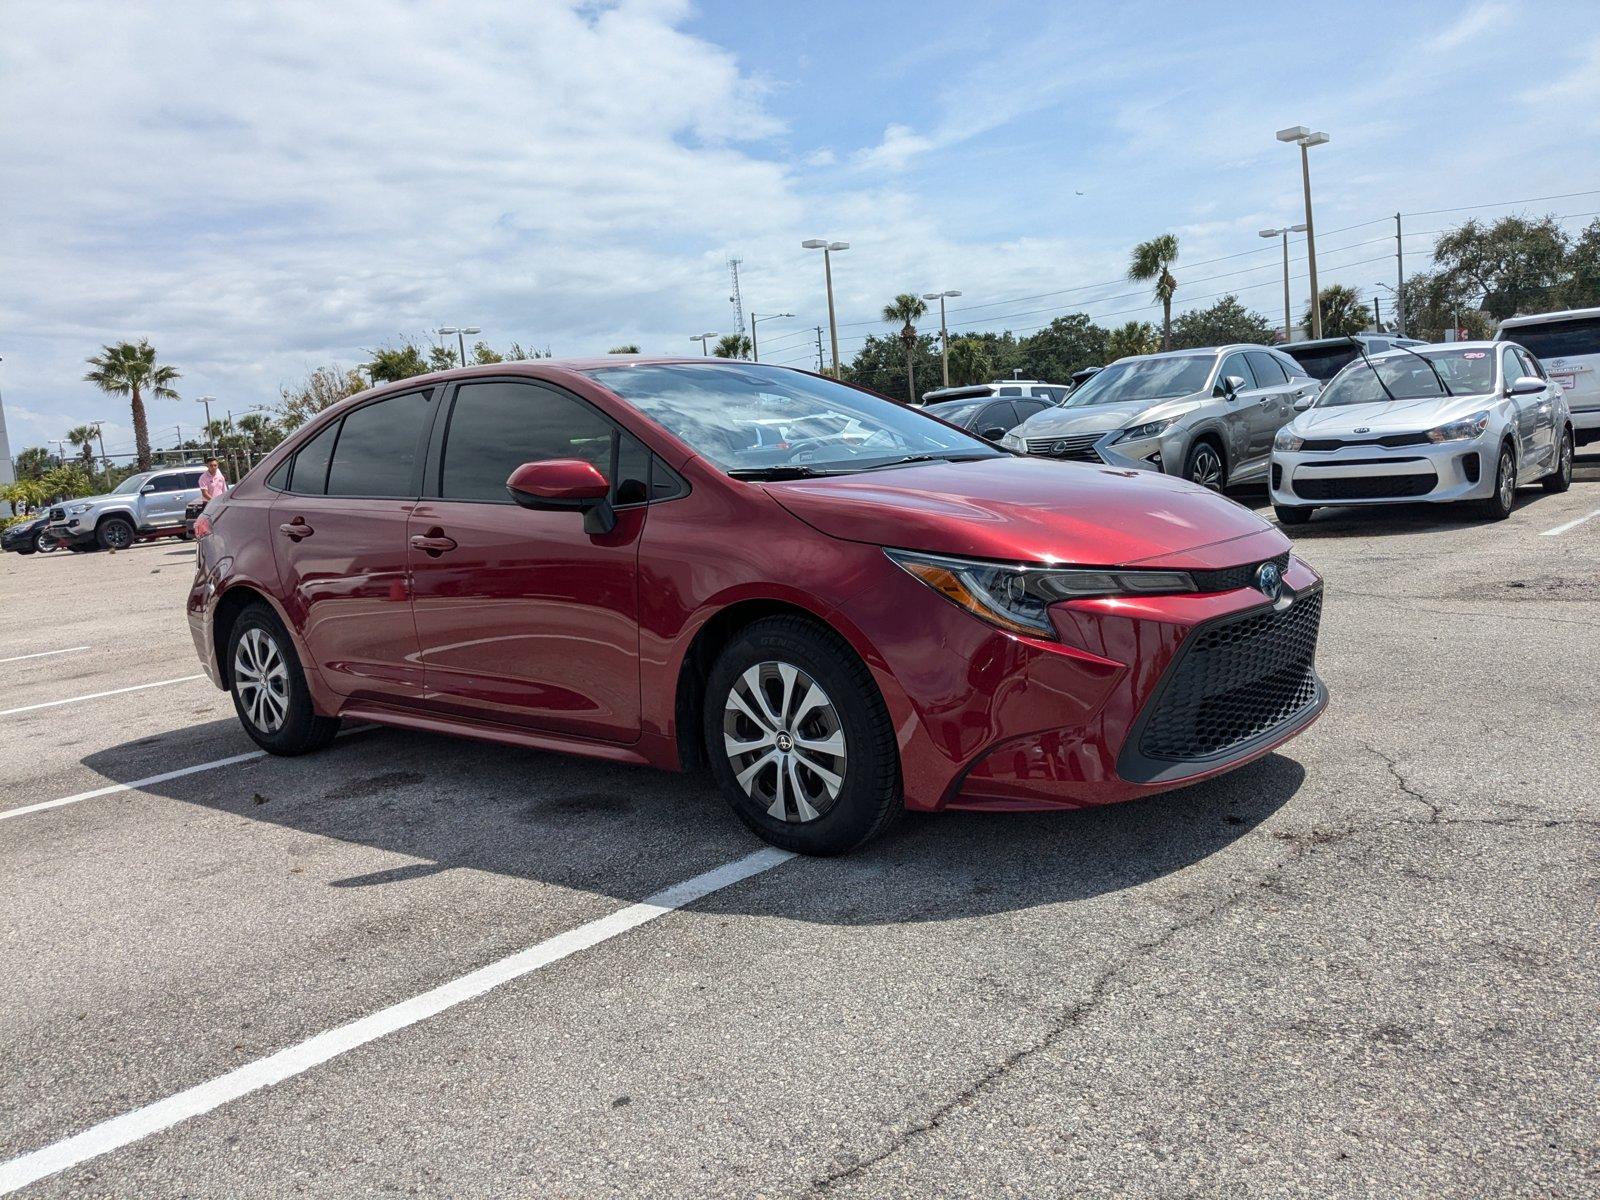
column 1376, row 474
column 71, row 532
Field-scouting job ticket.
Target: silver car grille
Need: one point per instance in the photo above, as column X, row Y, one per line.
column 1079, row 447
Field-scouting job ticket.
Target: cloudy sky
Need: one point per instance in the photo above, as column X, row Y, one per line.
column 261, row 189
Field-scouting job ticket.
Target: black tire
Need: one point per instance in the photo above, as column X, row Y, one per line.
column 298, row 730
column 1292, row 516
column 1205, row 465
column 115, row 533
column 868, row 796
column 44, row 543
column 1498, row 506
column 1560, row 479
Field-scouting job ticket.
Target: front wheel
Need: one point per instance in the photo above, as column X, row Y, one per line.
column 799, row 739
column 1204, row 465
column 1560, row 479
column 1498, row 506
column 115, row 534
column 44, row 543
column 269, row 688
column 1292, row 516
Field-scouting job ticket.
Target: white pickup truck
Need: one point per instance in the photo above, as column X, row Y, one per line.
column 140, row 507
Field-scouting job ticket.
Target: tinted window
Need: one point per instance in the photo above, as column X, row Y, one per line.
column 1235, row 364
column 1009, row 391
column 999, row 415
column 310, row 474
column 279, row 480
column 1267, row 370
column 1293, row 369
column 1026, row 408
column 1560, row 339
column 496, row 427
column 376, row 453
column 1324, row 362
column 175, row 483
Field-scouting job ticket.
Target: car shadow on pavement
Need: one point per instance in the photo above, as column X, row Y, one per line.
column 1381, row 521
column 626, row 831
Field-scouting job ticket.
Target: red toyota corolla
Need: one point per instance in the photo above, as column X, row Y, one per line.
column 841, row 605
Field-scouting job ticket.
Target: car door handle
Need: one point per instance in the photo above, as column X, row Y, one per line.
column 296, row 529
column 434, row 542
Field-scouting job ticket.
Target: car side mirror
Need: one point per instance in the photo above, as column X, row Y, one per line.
column 1527, row 385
column 993, row 434
column 1304, row 402
column 565, row 484
column 1229, row 386
column 147, row 489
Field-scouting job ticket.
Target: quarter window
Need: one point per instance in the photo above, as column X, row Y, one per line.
column 309, row 475
column 376, row 453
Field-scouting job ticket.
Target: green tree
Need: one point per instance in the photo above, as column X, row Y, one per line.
column 517, row 354
column 1516, row 264
column 442, row 358
column 625, row 348
column 484, row 355
column 1135, row 337
column 881, row 364
column 65, row 483
column 1582, row 286
column 83, row 437
column 129, row 369
column 33, row 462
column 1225, row 321
column 1003, row 350
column 1152, row 263
column 969, row 362
column 732, row 345
column 906, row 310
column 1440, row 300
column 1065, row 345
column 1343, row 311
column 262, row 432
column 391, row 363
column 321, row 389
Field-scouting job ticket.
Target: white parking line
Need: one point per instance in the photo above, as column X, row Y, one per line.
column 293, row 1060
column 1560, row 529
column 147, row 781
column 138, row 687
column 43, row 654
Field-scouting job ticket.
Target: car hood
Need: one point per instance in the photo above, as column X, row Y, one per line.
column 1034, row 510
column 1388, row 416
column 1102, row 418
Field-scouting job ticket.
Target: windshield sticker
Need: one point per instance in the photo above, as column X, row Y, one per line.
column 1474, row 354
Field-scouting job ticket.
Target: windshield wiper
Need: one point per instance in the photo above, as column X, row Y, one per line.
column 911, row 459
column 1362, row 350
column 781, row 471
column 1431, row 367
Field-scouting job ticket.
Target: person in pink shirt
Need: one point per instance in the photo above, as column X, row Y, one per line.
column 213, row 482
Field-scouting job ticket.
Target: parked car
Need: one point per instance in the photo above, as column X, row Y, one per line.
column 1035, row 389
column 1464, row 421
column 1207, row 415
column 28, row 536
column 191, row 514
column 1324, row 358
column 601, row 558
column 1568, row 344
column 985, row 416
column 141, row 507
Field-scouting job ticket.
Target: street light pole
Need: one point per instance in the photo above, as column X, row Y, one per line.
column 1305, row 139
column 1284, row 234
column 206, row 400
column 944, row 334
column 755, row 350
column 461, row 336
column 1399, row 278
column 828, row 249
column 705, row 341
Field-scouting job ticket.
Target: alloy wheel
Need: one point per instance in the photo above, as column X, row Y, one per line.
column 1508, row 479
column 1206, row 468
column 44, row 543
column 785, row 741
column 118, row 536
column 1566, row 459
column 261, row 680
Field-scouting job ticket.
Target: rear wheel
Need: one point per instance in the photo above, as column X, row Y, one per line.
column 269, row 688
column 1498, row 506
column 1204, row 465
column 1292, row 516
column 115, row 533
column 1560, row 479
column 799, row 739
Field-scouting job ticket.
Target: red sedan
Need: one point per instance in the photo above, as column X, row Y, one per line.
column 839, row 605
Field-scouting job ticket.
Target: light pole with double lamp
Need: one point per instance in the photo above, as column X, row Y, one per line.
column 705, row 341
column 461, row 336
column 755, row 349
column 1305, row 139
column 944, row 334
column 828, row 250
column 1284, row 234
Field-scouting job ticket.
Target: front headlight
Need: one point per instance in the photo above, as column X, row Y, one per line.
column 1149, row 429
column 75, row 509
column 1015, row 441
column 1018, row 598
column 1287, row 439
column 1461, row 431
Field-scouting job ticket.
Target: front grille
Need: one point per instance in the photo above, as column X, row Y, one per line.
column 1226, row 579
column 1388, row 439
column 1234, row 681
column 1366, row 487
column 1075, row 447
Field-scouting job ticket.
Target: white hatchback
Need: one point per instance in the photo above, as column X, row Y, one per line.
column 1568, row 343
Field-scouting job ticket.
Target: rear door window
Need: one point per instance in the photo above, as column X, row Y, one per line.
column 376, row 454
column 999, row 414
column 1267, row 370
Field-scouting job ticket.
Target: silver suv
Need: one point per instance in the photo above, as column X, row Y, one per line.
column 141, row 506
column 1208, row 415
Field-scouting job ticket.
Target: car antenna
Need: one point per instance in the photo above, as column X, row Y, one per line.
column 1445, row 386
column 1362, row 350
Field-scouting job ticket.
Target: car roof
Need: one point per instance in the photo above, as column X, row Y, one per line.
column 1479, row 344
column 1565, row 314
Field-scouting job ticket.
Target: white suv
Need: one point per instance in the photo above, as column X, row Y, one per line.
column 1568, row 344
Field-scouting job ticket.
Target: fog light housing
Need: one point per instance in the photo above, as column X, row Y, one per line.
column 1471, row 466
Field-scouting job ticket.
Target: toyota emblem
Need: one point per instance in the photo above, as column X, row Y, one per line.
column 1269, row 580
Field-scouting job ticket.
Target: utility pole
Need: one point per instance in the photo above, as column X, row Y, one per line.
column 1377, row 317
column 1399, row 278
column 737, row 299
column 819, row 349
column 755, row 350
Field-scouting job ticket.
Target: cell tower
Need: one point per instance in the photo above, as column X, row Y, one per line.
column 737, row 300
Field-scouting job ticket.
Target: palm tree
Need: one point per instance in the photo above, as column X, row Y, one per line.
column 905, row 310
column 969, row 363
column 129, row 370
column 1136, row 337
column 1343, row 311
column 82, row 436
column 1153, row 260
column 732, row 345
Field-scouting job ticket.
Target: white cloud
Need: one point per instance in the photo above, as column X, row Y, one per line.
column 1478, row 21
column 899, row 146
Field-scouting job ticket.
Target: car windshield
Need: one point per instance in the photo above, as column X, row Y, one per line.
column 1323, row 362
column 1408, row 377
column 751, row 419
column 1144, row 379
column 131, row 484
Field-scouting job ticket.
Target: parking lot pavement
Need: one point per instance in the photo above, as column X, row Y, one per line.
column 1363, row 965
